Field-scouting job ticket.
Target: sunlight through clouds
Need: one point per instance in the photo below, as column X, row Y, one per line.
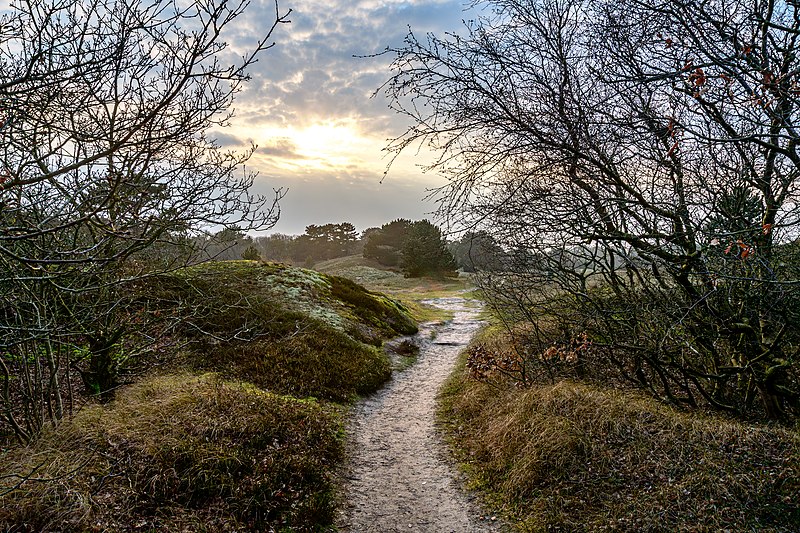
column 333, row 144
column 310, row 109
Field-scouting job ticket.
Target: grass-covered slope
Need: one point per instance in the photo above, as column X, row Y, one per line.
column 228, row 295
column 411, row 291
column 223, row 434
column 286, row 329
column 575, row 457
column 180, row 453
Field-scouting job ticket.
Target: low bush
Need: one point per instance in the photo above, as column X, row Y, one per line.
column 385, row 316
column 652, row 337
column 309, row 359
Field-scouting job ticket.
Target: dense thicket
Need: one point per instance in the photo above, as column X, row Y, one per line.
column 638, row 163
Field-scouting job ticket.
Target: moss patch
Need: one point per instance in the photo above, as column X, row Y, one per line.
column 244, row 297
column 384, row 316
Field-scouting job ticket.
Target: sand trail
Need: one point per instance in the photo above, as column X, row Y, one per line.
column 399, row 477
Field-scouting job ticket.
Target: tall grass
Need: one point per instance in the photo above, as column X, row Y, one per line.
column 577, row 457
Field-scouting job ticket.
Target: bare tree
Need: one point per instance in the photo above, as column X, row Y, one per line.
column 106, row 171
column 641, row 158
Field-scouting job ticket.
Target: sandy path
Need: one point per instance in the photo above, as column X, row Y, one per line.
column 399, row 478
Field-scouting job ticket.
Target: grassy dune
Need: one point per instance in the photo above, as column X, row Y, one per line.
column 574, row 457
column 181, row 453
column 410, row 291
column 238, row 427
column 295, row 331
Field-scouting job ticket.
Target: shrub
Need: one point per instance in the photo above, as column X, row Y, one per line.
column 251, row 254
column 309, row 359
column 387, row 316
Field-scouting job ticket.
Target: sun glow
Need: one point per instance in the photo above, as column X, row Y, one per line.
column 325, row 145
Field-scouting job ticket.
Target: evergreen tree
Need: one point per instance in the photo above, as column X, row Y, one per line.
column 477, row 251
column 425, row 252
column 327, row 241
column 385, row 245
column 251, row 254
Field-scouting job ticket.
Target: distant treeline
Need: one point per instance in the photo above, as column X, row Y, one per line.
column 318, row 243
column 415, row 247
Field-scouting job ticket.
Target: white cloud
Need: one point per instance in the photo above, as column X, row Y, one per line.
column 323, row 65
column 310, row 109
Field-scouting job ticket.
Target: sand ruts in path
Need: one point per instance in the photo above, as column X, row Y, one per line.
column 398, row 477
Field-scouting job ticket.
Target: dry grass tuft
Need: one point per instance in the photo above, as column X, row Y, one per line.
column 575, row 457
column 179, row 453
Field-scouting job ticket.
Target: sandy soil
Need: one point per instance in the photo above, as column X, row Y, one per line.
column 399, row 477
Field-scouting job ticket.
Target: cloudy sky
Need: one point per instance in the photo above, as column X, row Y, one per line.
column 310, row 109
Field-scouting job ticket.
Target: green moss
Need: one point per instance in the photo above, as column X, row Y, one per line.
column 310, row 359
column 221, row 298
column 388, row 317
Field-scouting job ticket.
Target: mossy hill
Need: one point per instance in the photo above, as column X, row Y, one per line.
column 411, row 291
column 286, row 329
column 237, row 426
